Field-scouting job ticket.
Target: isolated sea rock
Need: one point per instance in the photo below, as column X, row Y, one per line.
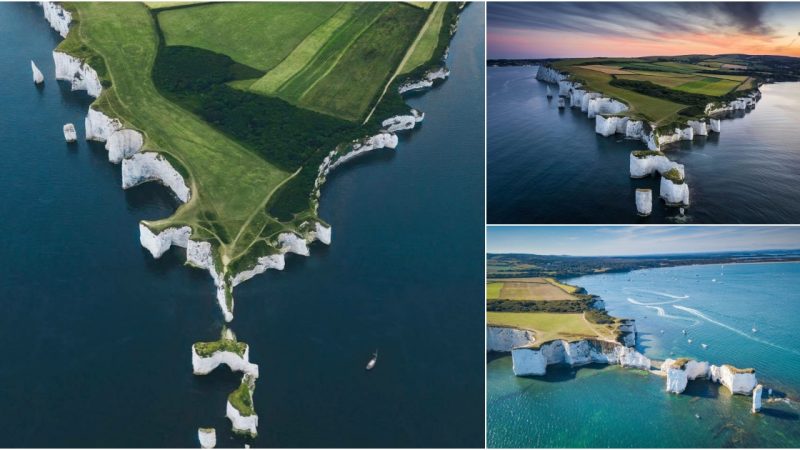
column 699, row 127
column 207, row 437
column 240, row 422
column 757, row 398
column 143, row 167
column 738, row 381
column 646, row 163
column 205, row 364
column 674, row 193
column 679, row 372
column 38, row 78
column 70, row 135
column 644, row 202
column 715, row 125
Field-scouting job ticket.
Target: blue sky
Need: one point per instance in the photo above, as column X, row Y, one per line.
column 605, row 240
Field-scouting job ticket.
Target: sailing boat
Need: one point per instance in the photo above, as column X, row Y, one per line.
column 754, row 327
column 372, row 360
column 549, row 92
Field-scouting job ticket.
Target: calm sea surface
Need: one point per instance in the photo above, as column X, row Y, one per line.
column 549, row 166
column 97, row 335
column 600, row 406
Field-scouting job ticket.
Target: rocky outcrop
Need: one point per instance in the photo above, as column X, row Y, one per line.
column 644, row 202
column 38, row 78
column 143, row 167
column 699, row 127
column 243, row 422
column 70, row 135
column 505, row 339
column 757, row 398
column 58, row 17
column 738, row 381
column 427, row 81
column 646, row 163
column 680, row 372
column 533, row 361
column 715, row 125
column 207, row 437
column 402, row 123
column 739, row 104
column 159, row 243
column 81, row 76
column 674, row 192
column 203, row 365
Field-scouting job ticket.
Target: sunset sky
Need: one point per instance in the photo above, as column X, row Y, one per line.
column 575, row 29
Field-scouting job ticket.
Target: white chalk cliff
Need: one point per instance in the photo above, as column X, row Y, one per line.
column 58, row 17
column 203, row 365
column 81, row 76
column 678, row 376
column 644, row 201
column 644, row 165
column 757, row 398
column 403, row 122
column 674, row 193
column 70, row 135
column 207, row 437
column 427, row 80
column 531, row 361
column 123, row 144
column 143, row 167
column 502, row 339
column 738, row 382
column 244, row 424
column 99, row 127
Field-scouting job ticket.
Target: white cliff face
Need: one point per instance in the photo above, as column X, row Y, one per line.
column 143, row 167
column 549, row 75
column 699, row 127
column 264, row 263
column 645, row 166
column 697, row 369
column 678, row 377
column 159, row 243
column 634, row 129
column 58, row 17
column 38, row 78
column 203, row 365
column 741, row 103
column 530, row 361
column 323, row 233
column 70, row 135
column 381, row 140
column 82, row 77
column 240, row 423
column 99, row 127
column 737, row 383
column 602, row 105
column 644, row 201
column 611, row 125
column 676, row 380
column 426, row 81
column 123, row 144
column 674, row 194
column 207, row 437
column 757, row 398
column 501, row 339
column 290, row 242
column 715, row 125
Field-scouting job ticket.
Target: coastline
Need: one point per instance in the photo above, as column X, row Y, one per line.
column 140, row 164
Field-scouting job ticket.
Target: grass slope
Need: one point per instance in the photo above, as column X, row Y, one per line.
column 429, row 39
column 230, row 184
column 551, row 326
column 258, row 34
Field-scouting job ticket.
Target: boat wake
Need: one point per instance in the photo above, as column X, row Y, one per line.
column 636, row 302
column 663, row 294
column 661, row 312
column 735, row 330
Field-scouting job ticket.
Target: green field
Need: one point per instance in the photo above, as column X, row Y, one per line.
column 332, row 58
column 256, row 34
column 599, row 73
column 550, row 326
column 546, row 289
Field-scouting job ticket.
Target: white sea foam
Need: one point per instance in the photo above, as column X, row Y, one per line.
column 663, row 294
column 661, row 312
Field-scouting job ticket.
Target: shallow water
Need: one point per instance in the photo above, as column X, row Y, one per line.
column 601, row 406
column 97, row 334
column 547, row 165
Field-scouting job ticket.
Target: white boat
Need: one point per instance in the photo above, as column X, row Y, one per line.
column 372, row 360
column 684, row 331
column 754, row 328
column 38, row 78
column 689, row 341
column 704, row 345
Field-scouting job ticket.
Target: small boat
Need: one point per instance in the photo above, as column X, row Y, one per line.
column 713, row 280
column 372, row 360
column 697, row 416
column 754, row 328
column 689, row 341
column 704, row 345
column 662, row 331
column 684, row 331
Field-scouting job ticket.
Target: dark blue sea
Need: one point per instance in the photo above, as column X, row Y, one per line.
column 97, row 335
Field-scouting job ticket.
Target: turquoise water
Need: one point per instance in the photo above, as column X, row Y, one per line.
column 96, row 334
column 608, row 406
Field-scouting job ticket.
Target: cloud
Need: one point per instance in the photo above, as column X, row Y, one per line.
column 646, row 21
